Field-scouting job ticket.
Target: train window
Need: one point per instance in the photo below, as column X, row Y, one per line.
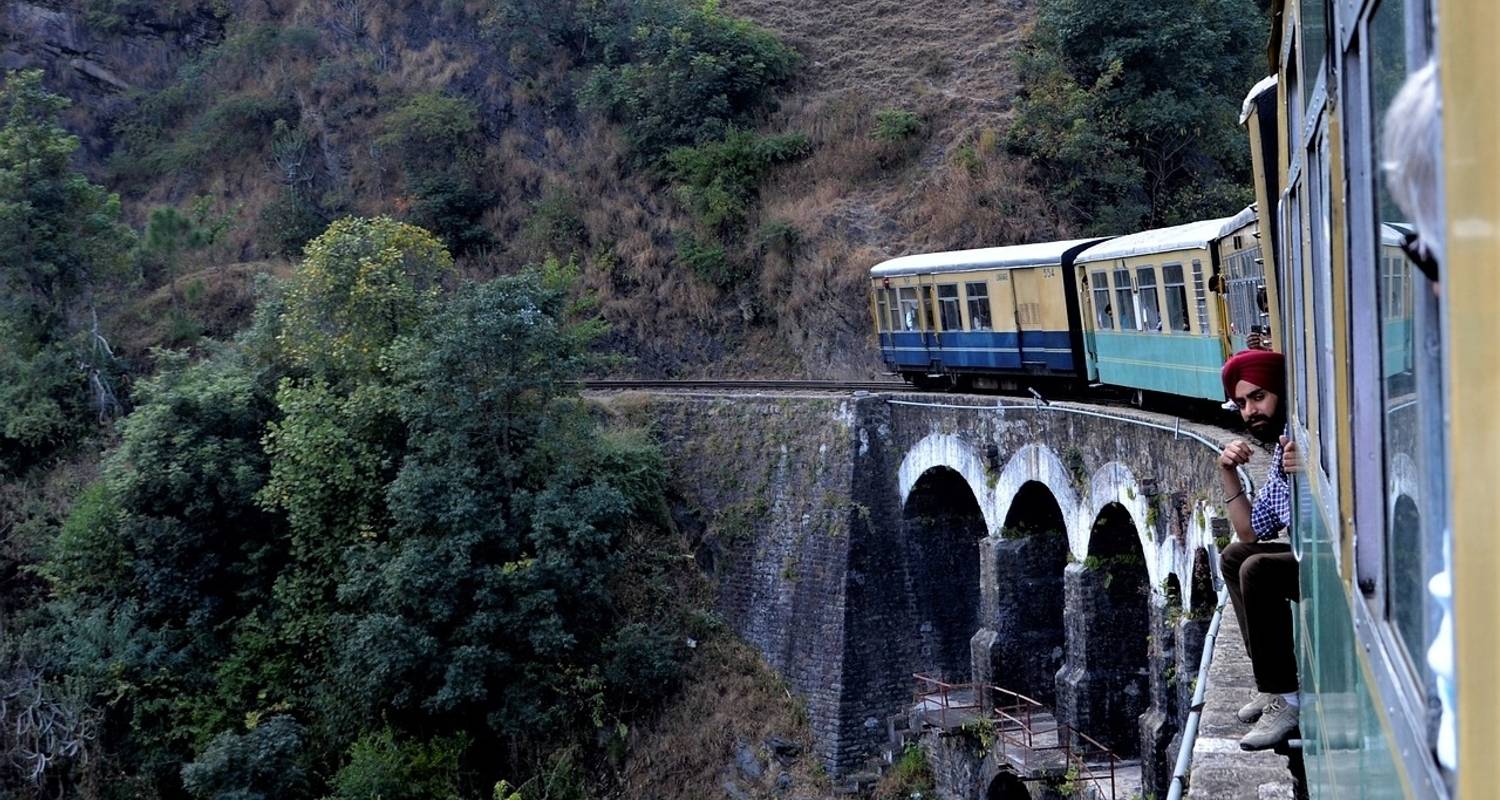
column 1125, row 300
column 1104, row 315
column 948, row 306
column 979, row 306
column 1314, row 44
column 1177, row 312
column 882, row 318
column 1321, row 256
column 929, row 319
column 1200, row 295
column 893, row 309
column 909, row 319
column 1410, row 358
column 1145, row 278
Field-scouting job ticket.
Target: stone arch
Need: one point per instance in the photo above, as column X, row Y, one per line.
column 1103, row 688
column 1007, row 785
column 1114, row 483
column 1020, row 643
column 1036, row 463
column 942, row 527
column 955, row 453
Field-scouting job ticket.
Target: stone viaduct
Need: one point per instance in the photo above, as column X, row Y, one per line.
column 1062, row 551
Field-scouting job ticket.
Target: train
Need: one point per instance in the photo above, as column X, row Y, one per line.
column 1392, row 367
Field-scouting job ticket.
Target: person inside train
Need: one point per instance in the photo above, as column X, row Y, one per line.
column 1259, row 569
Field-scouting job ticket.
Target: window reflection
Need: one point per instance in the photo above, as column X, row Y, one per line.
column 1410, row 354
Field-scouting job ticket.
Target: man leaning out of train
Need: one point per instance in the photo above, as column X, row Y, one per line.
column 1259, row 569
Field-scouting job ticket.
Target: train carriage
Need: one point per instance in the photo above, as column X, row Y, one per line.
column 1153, row 322
column 1393, row 379
column 983, row 318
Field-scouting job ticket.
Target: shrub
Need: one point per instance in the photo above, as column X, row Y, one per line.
column 895, row 125
column 677, row 74
column 260, row 764
column 436, row 139
column 708, row 261
column 719, row 180
column 382, row 767
column 288, row 223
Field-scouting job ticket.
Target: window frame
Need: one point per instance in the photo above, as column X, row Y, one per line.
column 1099, row 286
column 980, row 303
column 1142, row 287
column 947, row 304
column 1124, row 297
column 1181, row 285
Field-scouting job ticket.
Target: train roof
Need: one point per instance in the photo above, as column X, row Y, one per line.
column 1267, row 83
column 1040, row 254
column 1189, row 236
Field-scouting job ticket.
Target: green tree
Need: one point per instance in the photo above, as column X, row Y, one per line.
column 488, row 605
column 59, row 236
column 363, row 283
column 437, row 139
column 677, row 74
column 1131, row 111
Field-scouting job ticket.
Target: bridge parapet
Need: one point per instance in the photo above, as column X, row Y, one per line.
column 798, row 507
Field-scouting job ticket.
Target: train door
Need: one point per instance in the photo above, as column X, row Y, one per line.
column 1026, row 292
column 930, row 326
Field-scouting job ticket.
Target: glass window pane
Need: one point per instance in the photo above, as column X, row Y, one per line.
column 948, row 304
column 979, row 306
column 909, row 320
column 1177, row 313
column 1124, row 300
column 1104, row 314
column 1150, row 311
column 1411, row 351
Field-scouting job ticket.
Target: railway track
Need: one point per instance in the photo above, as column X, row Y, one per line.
column 754, row 384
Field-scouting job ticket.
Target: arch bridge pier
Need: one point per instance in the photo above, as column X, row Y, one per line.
column 1064, row 552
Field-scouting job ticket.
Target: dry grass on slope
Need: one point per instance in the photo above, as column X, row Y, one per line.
column 730, row 707
column 858, row 200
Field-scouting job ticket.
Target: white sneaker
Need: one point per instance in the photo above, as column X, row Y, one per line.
column 1275, row 726
column 1251, row 711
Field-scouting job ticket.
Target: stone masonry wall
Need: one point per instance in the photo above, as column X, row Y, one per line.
column 796, row 506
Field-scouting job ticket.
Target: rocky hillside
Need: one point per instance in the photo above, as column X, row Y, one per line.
column 287, row 113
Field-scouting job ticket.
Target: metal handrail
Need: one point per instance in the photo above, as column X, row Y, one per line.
column 1020, row 714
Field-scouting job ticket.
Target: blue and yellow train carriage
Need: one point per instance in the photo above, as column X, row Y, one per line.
column 1152, row 319
column 980, row 318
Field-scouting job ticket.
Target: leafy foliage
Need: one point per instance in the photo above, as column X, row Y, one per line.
column 59, row 235
column 435, row 137
column 718, row 181
column 1124, row 108
column 260, row 764
column 364, row 282
column 678, row 74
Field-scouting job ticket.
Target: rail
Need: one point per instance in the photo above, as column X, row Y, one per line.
column 1021, row 728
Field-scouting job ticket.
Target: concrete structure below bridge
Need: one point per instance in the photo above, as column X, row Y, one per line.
column 1062, row 551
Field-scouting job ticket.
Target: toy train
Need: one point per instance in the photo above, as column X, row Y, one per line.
column 1155, row 311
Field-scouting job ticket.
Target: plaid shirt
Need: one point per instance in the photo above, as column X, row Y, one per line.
column 1272, row 509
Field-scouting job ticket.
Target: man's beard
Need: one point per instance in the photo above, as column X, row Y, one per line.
column 1267, row 429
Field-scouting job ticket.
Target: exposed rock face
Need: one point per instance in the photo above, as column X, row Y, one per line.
column 97, row 68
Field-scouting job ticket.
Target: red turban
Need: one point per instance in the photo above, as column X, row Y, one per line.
column 1260, row 367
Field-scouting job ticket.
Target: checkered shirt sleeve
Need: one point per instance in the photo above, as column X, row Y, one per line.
column 1272, row 509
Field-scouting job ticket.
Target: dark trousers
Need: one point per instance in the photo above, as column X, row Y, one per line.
column 1262, row 583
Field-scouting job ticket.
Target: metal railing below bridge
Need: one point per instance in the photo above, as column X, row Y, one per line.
column 1027, row 735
